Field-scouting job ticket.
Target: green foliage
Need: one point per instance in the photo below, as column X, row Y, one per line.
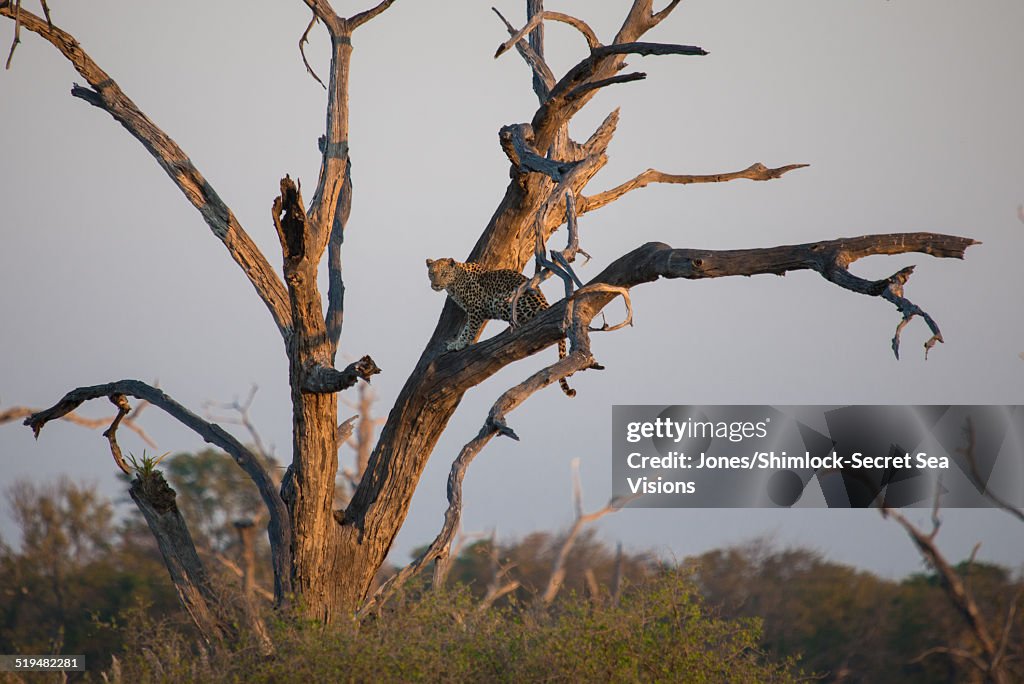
column 658, row 631
column 80, row 583
column 851, row 625
column 74, row 574
column 145, row 466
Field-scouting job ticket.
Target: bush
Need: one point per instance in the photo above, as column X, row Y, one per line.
column 658, row 631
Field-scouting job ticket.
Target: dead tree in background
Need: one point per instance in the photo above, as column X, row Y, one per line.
column 993, row 654
column 326, row 559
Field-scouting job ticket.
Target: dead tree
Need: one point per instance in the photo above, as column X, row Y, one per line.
column 326, row 559
column 992, row 656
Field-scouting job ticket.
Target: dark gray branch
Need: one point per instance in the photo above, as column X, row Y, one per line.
column 544, row 79
column 495, row 424
column 588, row 67
column 656, row 260
column 323, row 380
column 279, row 529
column 515, row 141
column 581, row 90
column 156, row 500
column 335, row 283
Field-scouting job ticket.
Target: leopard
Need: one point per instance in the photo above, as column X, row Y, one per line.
column 486, row 294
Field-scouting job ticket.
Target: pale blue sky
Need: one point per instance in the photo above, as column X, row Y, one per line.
column 909, row 113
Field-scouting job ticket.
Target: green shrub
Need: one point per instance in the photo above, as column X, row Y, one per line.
column 657, row 631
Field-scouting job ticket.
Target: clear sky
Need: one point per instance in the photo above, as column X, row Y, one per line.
column 909, row 113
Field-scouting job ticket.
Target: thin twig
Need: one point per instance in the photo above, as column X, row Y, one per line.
column 302, row 51
column 17, row 31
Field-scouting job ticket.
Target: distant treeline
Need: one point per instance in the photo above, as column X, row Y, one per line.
column 79, row 581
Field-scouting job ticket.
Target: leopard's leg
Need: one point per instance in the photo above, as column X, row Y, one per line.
column 474, row 321
column 569, row 392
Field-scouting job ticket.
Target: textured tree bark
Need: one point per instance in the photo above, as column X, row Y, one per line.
column 326, row 559
column 155, row 499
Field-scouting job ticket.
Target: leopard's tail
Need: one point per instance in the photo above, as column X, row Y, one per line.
column 569, row 392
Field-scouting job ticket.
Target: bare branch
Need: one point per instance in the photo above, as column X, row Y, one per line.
column 279, row 529
column 542, row 72
column 613, row 290
column 1008, row 624
column 121, row 402
column 359, row 19
column 325, row 380
column 557, row 577
column 233, row 567
column 660, row 16
column 979, row 482
column 323, row 11
column 954, row 587
column 536, row 43
column 894, row 293
column 591, row 65
column 571, row 93
column 535, row 20
column 18, row 412
column 559, row 264
column 17, row 33
column 494, row 425
column 495, row 592
column 642, row 18
column 243, row 418
column 657, row 260
column 568, row 255
column 497, row 587
column 302, row 51
column 515, row 141
column 530, row 25
column 108, row 96
column 581, row 90
column 755, row 172
column 330, row 196
column 588, row 33
column 335, row 316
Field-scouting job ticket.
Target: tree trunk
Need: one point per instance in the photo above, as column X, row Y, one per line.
column 327, row 559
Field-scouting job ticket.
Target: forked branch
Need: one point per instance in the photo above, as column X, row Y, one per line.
column 958, row 593
column 968, row 452
column 642, row 18
column 130, row 421
column 326, row 380
column 655, row 260
column 557, row 577
column 279, row 528
column 534, row 22
column 756, row 172
column 580, row 358
column 544, row 79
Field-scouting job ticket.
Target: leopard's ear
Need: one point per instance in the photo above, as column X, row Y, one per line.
column 430, row 262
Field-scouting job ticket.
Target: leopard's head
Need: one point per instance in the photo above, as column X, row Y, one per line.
column 441, row 272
